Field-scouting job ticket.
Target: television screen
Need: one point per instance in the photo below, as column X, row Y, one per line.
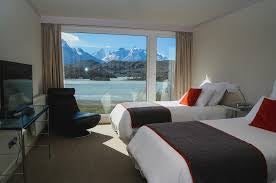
column 16, row 86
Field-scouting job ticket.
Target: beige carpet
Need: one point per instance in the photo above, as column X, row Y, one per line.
column 99, row 158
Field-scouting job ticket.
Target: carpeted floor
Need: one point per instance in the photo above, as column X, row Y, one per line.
column 98, row 158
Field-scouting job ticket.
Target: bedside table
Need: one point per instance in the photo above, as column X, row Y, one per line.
column 239, row 110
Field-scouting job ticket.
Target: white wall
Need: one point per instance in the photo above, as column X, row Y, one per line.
column 20, row 37
column 240, row 48
column 20, row 41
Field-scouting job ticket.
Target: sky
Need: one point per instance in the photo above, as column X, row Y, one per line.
column 93, row 42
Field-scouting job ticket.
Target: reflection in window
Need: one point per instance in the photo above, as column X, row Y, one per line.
column 165, row 66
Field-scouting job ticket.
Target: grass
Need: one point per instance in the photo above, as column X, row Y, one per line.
column 97, row 107
column 94, row 108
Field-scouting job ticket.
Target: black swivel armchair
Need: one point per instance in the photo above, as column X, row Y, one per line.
column 65, row 116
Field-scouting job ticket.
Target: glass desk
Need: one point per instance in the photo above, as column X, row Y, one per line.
column 24, row 120
column 20, row 124
column 239, row 110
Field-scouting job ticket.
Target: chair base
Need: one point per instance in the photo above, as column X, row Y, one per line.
column 80, row 134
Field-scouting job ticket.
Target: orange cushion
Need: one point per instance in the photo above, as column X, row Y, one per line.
column 266, row 116
column 191, row 97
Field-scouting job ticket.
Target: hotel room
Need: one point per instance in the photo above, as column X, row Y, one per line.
column 128, row 91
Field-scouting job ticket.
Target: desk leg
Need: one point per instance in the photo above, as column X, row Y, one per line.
column 23, row 156
column 49, row 144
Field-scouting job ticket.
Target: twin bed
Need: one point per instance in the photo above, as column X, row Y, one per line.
column 159, row 162
column 122, row 122
column 197, row 145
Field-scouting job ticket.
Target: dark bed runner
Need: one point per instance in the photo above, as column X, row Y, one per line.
column 148, row 114
column 213, row 156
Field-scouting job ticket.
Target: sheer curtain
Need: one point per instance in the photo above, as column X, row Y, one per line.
column 183, row 63
column 53, row 76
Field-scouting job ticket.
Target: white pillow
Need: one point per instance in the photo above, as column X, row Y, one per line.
column 207, row 86
column 219, row 88
column 251, row 115
column 205, row 97
column 273, row 94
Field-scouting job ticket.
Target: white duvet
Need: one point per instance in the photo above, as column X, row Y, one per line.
column 121, row 122
column 160, row 163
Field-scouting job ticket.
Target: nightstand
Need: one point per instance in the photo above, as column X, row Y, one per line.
column 239, row 110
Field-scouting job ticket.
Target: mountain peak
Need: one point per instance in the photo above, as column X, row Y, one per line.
column 100, row 54
column 73, row 55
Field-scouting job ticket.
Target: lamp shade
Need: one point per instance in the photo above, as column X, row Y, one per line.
column 232, row 87
column 273, row 94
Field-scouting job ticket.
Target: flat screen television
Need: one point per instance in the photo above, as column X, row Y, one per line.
column 16, row 90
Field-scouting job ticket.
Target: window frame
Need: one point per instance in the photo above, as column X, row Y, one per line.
column 151, row 46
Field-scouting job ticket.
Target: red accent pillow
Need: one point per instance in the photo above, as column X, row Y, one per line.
column 266, row 116
column 191, row 97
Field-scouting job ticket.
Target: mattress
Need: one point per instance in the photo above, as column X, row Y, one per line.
column 121, row 121
column 160, row 163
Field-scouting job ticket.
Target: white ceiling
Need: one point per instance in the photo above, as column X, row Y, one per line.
column 164, row 12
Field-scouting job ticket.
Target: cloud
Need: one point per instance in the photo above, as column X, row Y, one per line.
column 71, row 39
column 75, row 42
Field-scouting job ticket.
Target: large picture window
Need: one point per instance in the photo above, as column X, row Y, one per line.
column 110, row 68
column 165, row 67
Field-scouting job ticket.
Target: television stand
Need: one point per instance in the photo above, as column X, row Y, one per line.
column 20, row 125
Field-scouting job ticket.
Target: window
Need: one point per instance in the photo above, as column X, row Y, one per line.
column 107, row 67
column 165, row 67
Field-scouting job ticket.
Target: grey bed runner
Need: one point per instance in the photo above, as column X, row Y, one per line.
column 147, row 113
column 213, row 156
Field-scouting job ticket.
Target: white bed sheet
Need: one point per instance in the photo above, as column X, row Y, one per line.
column 121, row 121
column 160, row 163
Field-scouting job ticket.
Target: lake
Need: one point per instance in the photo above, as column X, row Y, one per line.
column 118, row 90
column 102, row 96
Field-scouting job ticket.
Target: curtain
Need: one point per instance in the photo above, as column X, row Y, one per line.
column 52, row 66
column 182, row 80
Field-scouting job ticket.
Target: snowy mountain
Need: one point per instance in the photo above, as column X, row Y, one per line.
column 161, row 57
column 136, row 54
column 100, row 54
column 128, row 55
column 74, row 55
column 123, row 54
